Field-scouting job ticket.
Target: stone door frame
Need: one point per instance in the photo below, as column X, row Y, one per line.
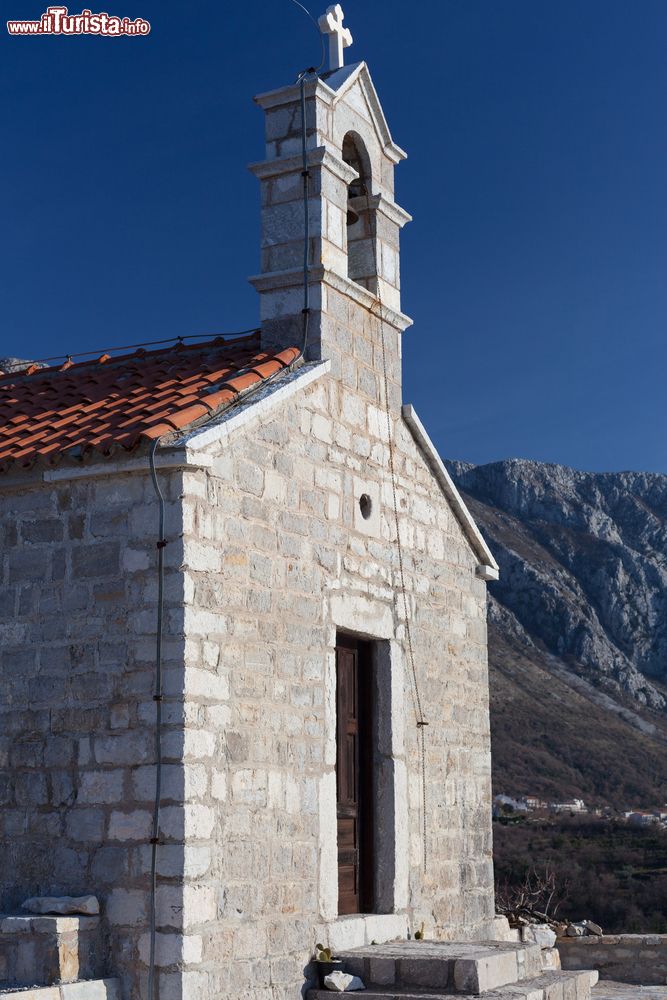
column 372, row 621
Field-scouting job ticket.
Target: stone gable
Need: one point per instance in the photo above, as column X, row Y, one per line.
column 276, row 562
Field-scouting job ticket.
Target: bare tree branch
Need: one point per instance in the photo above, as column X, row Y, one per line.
column 537, row 898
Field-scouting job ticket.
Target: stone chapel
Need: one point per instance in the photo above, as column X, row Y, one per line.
column 243, row 560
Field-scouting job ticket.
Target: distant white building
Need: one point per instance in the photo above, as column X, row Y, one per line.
column 575, row 806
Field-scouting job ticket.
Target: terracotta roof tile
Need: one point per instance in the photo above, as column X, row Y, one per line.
column 74, row 408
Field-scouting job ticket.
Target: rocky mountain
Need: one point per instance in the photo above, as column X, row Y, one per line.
column 577, row 628
column 10, row 366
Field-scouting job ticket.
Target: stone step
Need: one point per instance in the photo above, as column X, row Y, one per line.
column 607, row 990
column 451, row 967
column 85, row 989
column 548, row 986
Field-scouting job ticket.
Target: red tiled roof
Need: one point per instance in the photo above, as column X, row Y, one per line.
column 111, row 403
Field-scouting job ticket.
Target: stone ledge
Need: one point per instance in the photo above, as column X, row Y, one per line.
column 607, row 990
column 359, row 930
column 90, row 989
column 320, row 274
column 46, row 924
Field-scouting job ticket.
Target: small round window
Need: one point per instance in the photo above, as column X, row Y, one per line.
column 365, row 506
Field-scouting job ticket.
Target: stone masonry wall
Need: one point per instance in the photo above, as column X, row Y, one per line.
column 276, row 558
column 77, row 622
column 624, row 958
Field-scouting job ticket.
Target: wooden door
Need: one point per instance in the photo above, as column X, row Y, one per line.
column 354, row 775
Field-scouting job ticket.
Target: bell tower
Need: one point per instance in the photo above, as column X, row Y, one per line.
column 354, row 224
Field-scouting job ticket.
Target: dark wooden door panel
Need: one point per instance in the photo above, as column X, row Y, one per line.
column 348, row 891
column 354, row 776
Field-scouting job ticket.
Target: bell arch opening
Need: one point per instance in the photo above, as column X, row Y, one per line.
column 361, row 258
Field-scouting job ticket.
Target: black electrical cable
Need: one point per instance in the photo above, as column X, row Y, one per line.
column 146, row 343
column 157, row 696
column 317, row 28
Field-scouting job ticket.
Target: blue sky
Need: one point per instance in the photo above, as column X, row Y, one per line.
column 536, row 265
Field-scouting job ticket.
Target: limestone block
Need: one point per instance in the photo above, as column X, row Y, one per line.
column 180, row 782
column 189, row 743
column 540, row 934
column 250, row 941
column 85, row 825
column 206, row 684
column 476, row 975
column 100, row 786
column 135, row 560
column 134, row 825
column 190, row 821
column 62, row 905
column 185, row 906
column 285, row 188
column 321, row 428
column 384, row 927
column 95, row 560
column 26, row 564
column 32, row 791
column 126, row 907
column 38, row 993
column 178, row 860
column 383, row 971
column 96, row 989
column 359, row 614
column 550, row 960
column 126, row 748
column 284, row 221
column 120, row 717
column 342, row 982
column 44, row 530
column 171, row 949
column 335, row 224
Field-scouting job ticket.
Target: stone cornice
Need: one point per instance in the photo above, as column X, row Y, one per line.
column 320, row 157
column 319, row 273
column 383, row 205
column 292, row 92
column 167, row 458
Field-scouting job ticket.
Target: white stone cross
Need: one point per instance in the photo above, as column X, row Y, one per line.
column 340, row 38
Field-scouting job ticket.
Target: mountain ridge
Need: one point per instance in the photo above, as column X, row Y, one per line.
column 581, row 604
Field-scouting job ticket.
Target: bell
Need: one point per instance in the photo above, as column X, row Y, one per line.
column 352, row 216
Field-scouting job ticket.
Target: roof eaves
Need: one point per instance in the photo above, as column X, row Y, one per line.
column 233, row 388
